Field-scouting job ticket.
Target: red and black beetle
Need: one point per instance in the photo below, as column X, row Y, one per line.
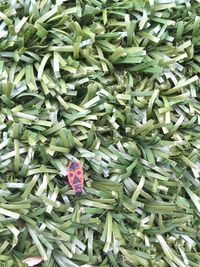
column 75, row 177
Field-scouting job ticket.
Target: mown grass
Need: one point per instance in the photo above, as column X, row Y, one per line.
column 115, row 85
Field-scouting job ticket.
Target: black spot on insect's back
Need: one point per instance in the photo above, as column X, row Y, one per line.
column 76, row 179
column 78, row 172
column 71, row 174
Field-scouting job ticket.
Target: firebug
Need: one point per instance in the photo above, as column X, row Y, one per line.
column 75, row 176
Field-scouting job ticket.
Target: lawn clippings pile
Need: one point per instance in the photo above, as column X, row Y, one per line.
column 115, row 85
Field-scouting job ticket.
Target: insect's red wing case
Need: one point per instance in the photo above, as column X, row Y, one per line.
column 75, row 176
column 70, row 175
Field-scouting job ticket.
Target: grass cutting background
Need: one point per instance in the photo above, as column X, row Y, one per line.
column 114, row 84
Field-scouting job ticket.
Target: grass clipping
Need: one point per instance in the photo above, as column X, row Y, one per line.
column 114, row 84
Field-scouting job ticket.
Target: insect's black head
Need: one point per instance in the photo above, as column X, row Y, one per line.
column 74, row 165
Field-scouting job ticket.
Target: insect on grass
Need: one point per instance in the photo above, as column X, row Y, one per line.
column 75, row 177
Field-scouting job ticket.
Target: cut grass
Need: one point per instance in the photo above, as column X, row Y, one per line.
column 115, row 85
